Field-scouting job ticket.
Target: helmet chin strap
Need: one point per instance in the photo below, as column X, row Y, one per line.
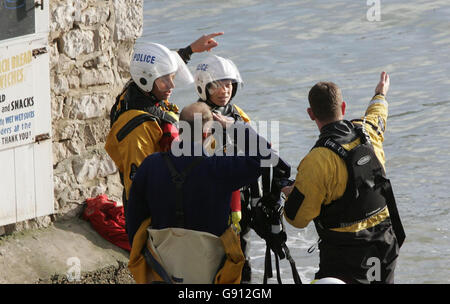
column 152, row 97
column 224, row 110
column 213, row 105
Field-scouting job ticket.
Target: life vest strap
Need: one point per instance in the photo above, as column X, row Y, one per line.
column 375, row 128
column 178, row 179
column 133, row 124
column 393, row 213
column 157, row 267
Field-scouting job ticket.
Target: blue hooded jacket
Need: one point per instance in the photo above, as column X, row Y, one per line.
column 206, row 191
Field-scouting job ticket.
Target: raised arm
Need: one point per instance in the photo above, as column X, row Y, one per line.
column 204, row 43
column 383, row 86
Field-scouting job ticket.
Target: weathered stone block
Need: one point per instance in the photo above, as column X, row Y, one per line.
column 54, row 55
column 62, row 16
column 75, row 145
column 94, row 15
column 60, row 153
column 77, row 42
column 84, row 169
column 64, row 130
column 60, row 85
column 94, row 77
column 74, row 81
column 124, row 51
column 102, row 38
column 57, row 103
column 106, row 166
column 129, row 19
column 64, row 64
column 88, row 106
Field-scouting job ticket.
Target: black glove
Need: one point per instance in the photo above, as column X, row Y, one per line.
column 266, row 214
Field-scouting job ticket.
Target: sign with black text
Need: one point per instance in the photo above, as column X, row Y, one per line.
column 17, row 101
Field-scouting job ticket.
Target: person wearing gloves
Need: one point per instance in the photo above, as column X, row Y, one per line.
column 341, row 185
column 142, row 120
column 179, row 206
column 216, row 81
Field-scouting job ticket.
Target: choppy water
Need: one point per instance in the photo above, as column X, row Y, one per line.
column 283, row 48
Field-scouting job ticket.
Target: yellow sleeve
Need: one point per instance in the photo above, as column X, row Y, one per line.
column 129, row 152
column 244, row 115
column 376, row 118
column 319, row 180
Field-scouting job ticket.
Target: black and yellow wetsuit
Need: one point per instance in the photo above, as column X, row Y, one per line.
column 341, row 185
column 140, row 125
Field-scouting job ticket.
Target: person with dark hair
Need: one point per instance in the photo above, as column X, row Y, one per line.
column 341, row 185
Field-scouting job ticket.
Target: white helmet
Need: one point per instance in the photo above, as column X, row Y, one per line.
column 214, row 68
column 328, row 280
column 152, row 60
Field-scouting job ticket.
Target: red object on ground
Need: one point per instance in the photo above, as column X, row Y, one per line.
column 108, row 220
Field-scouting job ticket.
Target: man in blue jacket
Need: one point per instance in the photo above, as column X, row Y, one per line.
column 207, row 188
column 193, row 191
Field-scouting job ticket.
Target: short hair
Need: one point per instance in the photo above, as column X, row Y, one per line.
column 325, row 99
column 188, row 112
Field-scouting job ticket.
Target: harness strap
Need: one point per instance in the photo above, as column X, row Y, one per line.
column 277, row 267
column 151, row 261
column 393, row 212
column 295, row 274
column 133, row 124
column 178, row 179
column 267, row 265
column 375, row 128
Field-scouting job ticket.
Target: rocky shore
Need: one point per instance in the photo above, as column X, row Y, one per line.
column 108, row 275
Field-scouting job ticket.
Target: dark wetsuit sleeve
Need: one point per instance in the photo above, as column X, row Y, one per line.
column 185, row 53
column 244, row 167
column 293, row 204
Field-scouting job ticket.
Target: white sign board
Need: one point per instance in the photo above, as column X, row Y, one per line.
column 26, row 179
column 17, row 100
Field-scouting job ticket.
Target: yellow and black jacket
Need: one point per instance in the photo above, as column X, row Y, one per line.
column 140, row 126
column 353, row 225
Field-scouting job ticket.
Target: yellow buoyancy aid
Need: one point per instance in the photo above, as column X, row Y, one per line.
column 138, row 131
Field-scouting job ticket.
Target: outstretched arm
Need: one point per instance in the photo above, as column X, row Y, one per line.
column 204, row 43
column 376, row 116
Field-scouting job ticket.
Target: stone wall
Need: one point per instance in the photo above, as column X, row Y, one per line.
column 90, row 45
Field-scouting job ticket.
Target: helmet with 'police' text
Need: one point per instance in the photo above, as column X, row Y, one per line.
column 151, row 61
column 213, row 69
